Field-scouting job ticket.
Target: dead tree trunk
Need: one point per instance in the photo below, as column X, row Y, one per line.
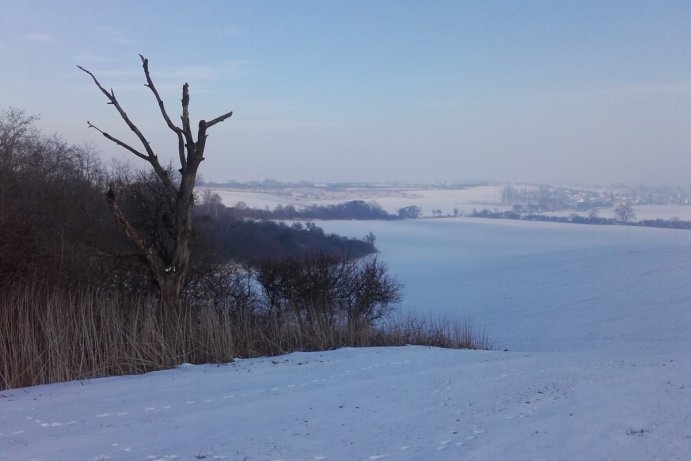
column 169, row 272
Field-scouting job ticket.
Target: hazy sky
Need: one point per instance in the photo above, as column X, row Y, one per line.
column 373, row 90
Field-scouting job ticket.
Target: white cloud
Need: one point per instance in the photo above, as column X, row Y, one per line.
column 123, row 41
column 39, row 37
column 115, row 35
column 85, row 57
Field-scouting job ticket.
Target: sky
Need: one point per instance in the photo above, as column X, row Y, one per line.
column 563, row 92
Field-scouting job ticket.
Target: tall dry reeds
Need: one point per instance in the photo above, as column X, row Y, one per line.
column 53, row 334
column 50, row 334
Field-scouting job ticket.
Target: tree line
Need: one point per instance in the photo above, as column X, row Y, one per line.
column 349, row 210
column 623, row 215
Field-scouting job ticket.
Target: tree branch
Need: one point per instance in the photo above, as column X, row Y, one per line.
column 114, row 101
column 169, row 122
column 153, row 259
column 201, row 135
column 150, row 155
column 218, row 119
column 186, row 114
column 110, row 95
column 118, row 142
column 201, row 142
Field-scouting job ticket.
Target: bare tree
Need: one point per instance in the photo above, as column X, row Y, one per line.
column 212, row 202
column 170, row 269
column 624, row 213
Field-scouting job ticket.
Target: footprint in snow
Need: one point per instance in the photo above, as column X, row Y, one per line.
column 470, row 438
column 443, row 445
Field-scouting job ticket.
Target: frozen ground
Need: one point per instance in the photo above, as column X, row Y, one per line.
column 596, row 321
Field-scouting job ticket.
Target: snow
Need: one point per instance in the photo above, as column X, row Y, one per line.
column 642, row 212
column 390, row 198
column 542, row 286
column 446, row 200
column 595, row 320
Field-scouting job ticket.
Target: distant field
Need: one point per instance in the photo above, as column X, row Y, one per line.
column 391, row 198
column 643, row 212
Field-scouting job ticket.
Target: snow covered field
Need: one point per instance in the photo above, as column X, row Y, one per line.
column 596, row 320
column 389, row 198
column 642, row 212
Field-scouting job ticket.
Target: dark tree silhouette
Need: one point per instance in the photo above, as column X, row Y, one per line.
column 624, row 213
column 168, row 261
column 409, row 212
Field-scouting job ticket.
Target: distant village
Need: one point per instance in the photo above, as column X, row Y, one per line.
column 533, row 199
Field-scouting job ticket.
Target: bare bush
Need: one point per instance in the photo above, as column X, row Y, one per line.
column 327, row 289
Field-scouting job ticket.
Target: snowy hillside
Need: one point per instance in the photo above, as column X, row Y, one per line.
column 596, row 321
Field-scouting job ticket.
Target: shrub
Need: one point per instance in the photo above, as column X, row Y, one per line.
column 327, row 289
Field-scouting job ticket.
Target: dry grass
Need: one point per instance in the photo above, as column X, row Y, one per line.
column 430, row 331
column 52, row 334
